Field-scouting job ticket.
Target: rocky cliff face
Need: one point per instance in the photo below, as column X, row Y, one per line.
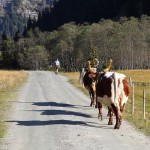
column 14, row 13
column 24, row 7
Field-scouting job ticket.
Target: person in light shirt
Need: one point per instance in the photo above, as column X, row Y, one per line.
column 57, row 63
column 57, row 66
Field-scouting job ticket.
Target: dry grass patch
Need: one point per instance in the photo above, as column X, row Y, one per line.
column 9, row 80
column 74, row 78
column 137, row 75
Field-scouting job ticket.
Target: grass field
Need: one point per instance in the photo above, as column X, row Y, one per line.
column 137, row 76
column 9, row 81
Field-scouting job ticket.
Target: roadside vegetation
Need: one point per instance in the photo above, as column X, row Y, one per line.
column 126, row 41
column 9, row 81
column 141, row 79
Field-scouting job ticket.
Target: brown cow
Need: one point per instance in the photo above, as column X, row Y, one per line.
column 113, row 90
column 90, row 85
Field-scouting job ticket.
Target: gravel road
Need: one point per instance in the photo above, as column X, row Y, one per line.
column 50, row 114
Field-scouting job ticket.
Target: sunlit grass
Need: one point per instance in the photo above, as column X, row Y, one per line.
column 74, row 78
column 137, row 118
column 137, row 75
column 9, row 81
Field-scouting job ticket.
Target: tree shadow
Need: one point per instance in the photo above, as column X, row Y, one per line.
column 54, row 122
column 54, row 104
column 65, row 112
column 62, row 112
column 61, row 122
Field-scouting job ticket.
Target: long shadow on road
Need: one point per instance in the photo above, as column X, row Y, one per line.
column 62, row 112
column 57, row 112
column 55, row 104
column 54, row 122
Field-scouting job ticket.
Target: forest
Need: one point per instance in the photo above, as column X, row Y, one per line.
column 126, row 41
column 117, row 29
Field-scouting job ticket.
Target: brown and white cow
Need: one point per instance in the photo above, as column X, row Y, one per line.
column 113, row 90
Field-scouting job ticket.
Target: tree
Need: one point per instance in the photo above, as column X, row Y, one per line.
column 9, row 54
column 34, row 58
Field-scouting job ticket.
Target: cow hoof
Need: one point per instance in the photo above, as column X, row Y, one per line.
column 116, row 127
column 120, row 121
column 100, row 117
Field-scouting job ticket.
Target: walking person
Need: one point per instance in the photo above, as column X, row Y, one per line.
column 57, row 66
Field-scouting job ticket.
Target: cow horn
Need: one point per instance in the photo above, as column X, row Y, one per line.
column 108, row 66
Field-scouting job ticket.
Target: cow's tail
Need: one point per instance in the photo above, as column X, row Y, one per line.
column 114, row 89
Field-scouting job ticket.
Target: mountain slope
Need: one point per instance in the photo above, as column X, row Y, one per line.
column 14, row 13
column 81, row 11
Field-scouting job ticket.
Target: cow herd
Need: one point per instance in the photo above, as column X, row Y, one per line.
column 110, row 89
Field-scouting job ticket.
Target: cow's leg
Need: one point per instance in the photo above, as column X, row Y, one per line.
column 117, row 113
column 90, row 93
column 95, row 99
column 110, row 122
column 109, row 111
column 100, row 110
column 121, row 110
column 93, row 92
column 96, row 105
column 120, row 119
column 91, row 98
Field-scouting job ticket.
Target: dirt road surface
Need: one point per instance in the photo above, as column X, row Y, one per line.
column 50, row 114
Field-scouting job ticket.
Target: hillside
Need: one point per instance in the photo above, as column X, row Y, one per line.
column 81, row 11
column 14, row 13
column 24, row 7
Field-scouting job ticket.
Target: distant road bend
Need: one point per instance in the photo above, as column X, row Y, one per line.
column 50, row 114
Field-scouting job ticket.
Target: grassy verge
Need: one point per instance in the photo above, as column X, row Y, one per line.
column 135, row 119
column 139, row 76
column 9, row 81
